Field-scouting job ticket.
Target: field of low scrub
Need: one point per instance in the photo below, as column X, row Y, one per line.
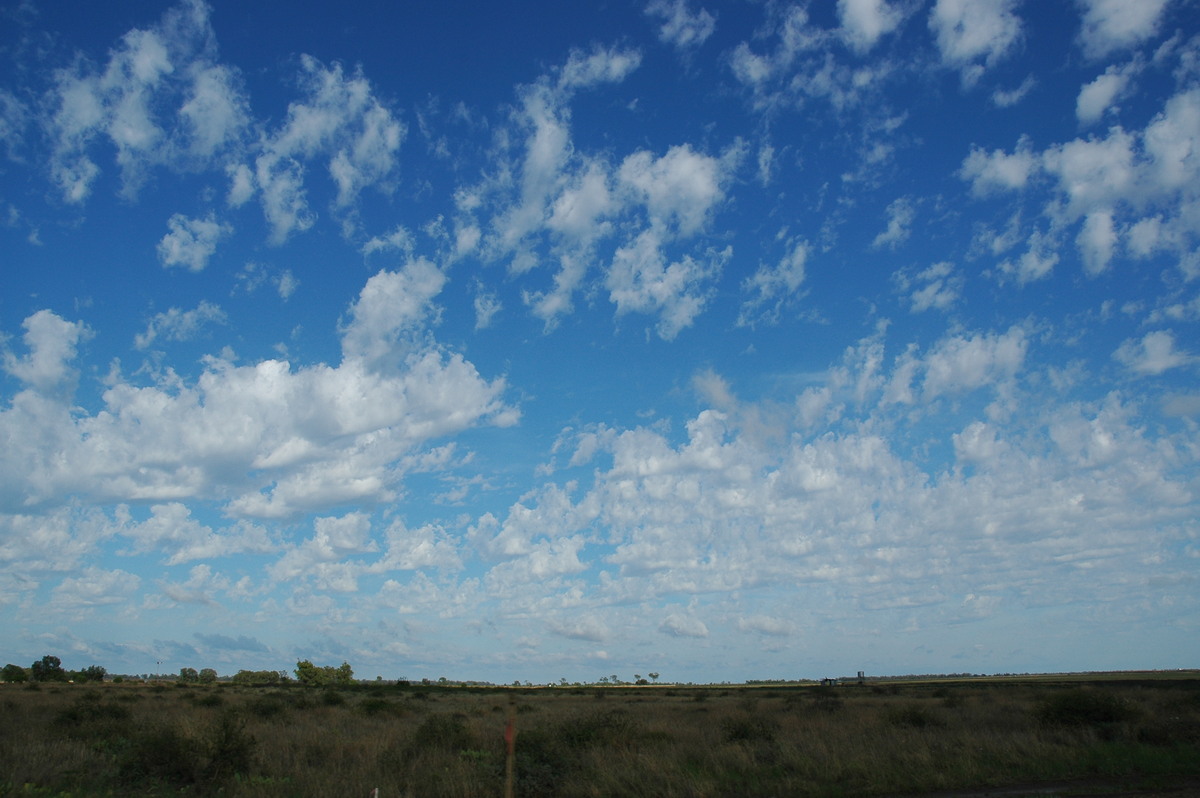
column 882, row 739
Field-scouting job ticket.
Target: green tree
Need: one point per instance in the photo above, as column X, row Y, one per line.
column 344, row 675
column 14, row 673
column 48, row 669
column 311, row 675
column 207, row 676
column 251, row 678
column 324, row 675
column 653, row 677
column 188, row 675
column 92, row 673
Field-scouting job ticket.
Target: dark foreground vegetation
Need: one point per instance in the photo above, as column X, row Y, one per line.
column 875, row 739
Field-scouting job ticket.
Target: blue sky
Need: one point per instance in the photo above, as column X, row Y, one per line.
column 720, row 340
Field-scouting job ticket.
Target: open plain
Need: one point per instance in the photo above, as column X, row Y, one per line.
column 1130, row 734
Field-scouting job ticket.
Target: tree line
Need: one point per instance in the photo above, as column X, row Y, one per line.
column 49, row 669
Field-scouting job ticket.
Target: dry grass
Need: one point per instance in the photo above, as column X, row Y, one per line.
column 857, row 740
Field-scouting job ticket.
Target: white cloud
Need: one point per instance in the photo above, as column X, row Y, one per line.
column 159, row 101
column 266, row 439
column 999, row 170
column 341, row 119
column 973, row 31
column 1154, row 354
column 640, row 280
column 589, row 628
column 900, row 218
column 678, row 624
column 681, row 27
column 1112, row 25
column 172, row 530
column 771, row 287
column 52, row 342
column 864, row 22
column 1097, row 241
column 94, row 587
column 958, row 364
column 679, row 189
column 1036, row 263
column 391, row 309
column 191, row 242
column 176, row 324
column 1100, row 96
column 1007, row 98
column 937, row 287
column 610, row 65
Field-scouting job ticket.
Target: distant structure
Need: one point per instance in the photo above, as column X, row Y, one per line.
column 861, row 677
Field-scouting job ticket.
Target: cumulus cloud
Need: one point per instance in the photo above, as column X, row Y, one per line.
column 1126, row 187
column 191, row 242
column 679, row 624
column 771, row 287
column 681, row 27
column 973, row 35
column 1113, row 25
column 640, row 280
column 1153, row 354
column 94, row 587
column 52, row 343
column 864, row 22
column 160, row 100
column 177, row 324
column 679, row 189
column 937, row 287
column 391, row 309
column 267, row 439
column 998, row 170
column 1101, row 95
column 900, row 218
column 340, row 120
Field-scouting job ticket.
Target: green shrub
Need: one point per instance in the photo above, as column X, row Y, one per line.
column 158, row 755
column 443, row 732
column 377, row 706
column 614, row 727
column 267, row 706
column 1081, row 707
column 230, row 748
column 749, row 729
column 912, row 717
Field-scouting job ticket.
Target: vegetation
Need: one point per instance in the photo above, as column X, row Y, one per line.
column 439, row 739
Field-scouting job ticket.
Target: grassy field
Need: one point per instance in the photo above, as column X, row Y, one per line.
column 907, row 737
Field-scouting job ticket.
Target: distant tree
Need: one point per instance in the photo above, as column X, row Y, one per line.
column 189, row 675
column 653, row 677
column 324, row 675
column 92, row 673
column 207, row 676
column 252, row 678
column 14, row 673
column 48, row 669
column 344, row 675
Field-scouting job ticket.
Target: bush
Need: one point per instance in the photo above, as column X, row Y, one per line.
column 749, row 729
column 230, row 748
column 442, row 733
column 614, row 728
column 913, row 717
column 1080, row 707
